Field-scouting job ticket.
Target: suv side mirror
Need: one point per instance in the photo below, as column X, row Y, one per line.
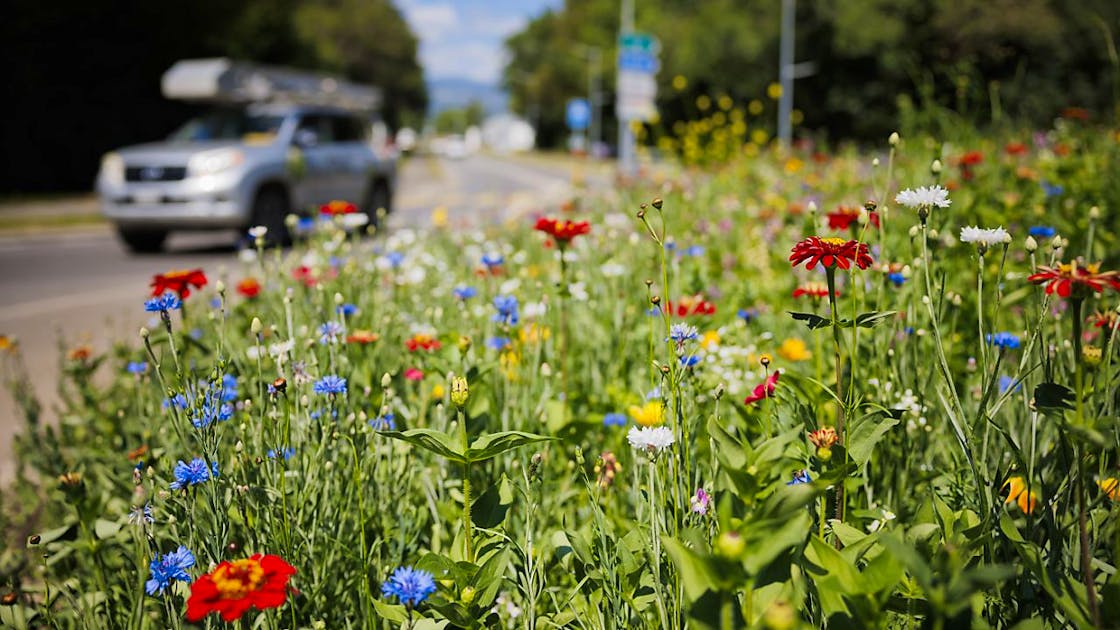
column 305, row 138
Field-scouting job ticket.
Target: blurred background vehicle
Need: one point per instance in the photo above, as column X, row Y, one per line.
column 277, row 141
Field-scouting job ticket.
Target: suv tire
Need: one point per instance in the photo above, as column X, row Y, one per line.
column 142, row 241
column 378, row 197
column 271, row 209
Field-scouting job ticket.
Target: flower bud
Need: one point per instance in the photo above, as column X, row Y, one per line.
column 144, row 332
column 656, row 203
column 338, row 298
column 256, row 326
column 386, row 380
column 935, row 167
column 730, row 545
column 812, row 207
column 894, row 139
column 780, row 616
column 467, row 595
column 875, row 162
column 34, row 540
column 460, row 391
column 1091, row 355
column 913, row 231
column 824, row 454
column 1094, row 213
column 1030, row 245
column 220, row 286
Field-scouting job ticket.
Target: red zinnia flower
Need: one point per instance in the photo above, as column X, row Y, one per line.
column 815, row 290
column 232, row 588
column 1105, row 319
column 1073, row 277
column 304, row 274
column 337, row 207
column 764, row 390
column 561, row 230
column 1015, row 148
column 1075, row 113
column 422, row 342
column 413, row 374
column 691, row 305
column 249, row 287
column 362, row 337
column 180, row 281
column 830, row 252
column 842, row 217
column 972, row 158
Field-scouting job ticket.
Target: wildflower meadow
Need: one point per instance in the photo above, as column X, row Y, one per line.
column 795, row 389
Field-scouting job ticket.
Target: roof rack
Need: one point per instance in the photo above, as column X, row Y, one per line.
column 224, row 81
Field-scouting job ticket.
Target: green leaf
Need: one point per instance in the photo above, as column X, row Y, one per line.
column 489, row 577
column 1053, row 396
column 866, row 433
column 490, row 508
column 841, row 575
column 494, row 444
column 394, row 613
column 437, row 442
column 812, row 320
column 106, row 529
column 698, row 573
column 728, row 448
column 874, row 318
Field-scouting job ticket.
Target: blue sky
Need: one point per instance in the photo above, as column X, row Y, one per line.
column 462, row 39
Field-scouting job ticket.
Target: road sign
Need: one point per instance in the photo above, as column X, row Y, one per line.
column 637, row 69
column 578, row 114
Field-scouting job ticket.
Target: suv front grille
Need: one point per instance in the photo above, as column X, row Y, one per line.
column 154, row 173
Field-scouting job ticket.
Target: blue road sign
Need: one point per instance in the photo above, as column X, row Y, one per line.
column 578, row 114
column 638, row 61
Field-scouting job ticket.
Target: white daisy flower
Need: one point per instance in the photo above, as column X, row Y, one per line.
column 652, row 440
column 258, row 231
column 985, row 237
column 924, row 196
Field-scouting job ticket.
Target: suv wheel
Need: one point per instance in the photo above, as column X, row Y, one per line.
column 142, row 241
column 378, row 197
column 271, row 209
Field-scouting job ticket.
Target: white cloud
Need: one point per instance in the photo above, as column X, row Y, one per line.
column 431, row 21
column 475, row 60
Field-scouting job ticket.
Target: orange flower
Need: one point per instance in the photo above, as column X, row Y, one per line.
column 249, row 287
column 337, row 207
column 422, row 342
column 232, row 588
column 362, row 337
column 830, row 252
column 1017, row 493
column 179, row 281
column 823, row 437
column 1110, row 487
column 1068, row 278
column 691, row 305
column 815, row 290
column 138, row 453
column 561, row 230
column 1015, row 148
column 80, row 353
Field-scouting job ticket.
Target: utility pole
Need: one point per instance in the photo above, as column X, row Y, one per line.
column 626, row 152
column 785, row 73
column 595, row 67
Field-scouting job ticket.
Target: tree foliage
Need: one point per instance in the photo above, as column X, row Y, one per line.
column 986, row 60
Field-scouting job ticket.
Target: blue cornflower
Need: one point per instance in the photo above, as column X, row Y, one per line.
column 305, row 225
column 492, row 260
column 464, row 292
column 694, row 251
column 286, row 452
column 410, row 586
column 168, row 568
column 799, row 477
column 614, row 419
column 229, row 388
column 896, row 278
column 210, row 413
column 215, row 302
column 654, row 394
column 748, row 314
column 196, row 333
column 330, row 385
column 395, row 259
column 1042, row 231
column 166, row 302
column 1004, row 340
column 671, row 246
column 346, row 310
column 141, row 515
column 498, row 343
column 137, row 367
column 193, row 473
column 690, row 361
column 1005, row 383
column 1051, row 190
column 507, row 310
column 178, row 400
column 330, row 332
column 681, row 333
column 384, row 422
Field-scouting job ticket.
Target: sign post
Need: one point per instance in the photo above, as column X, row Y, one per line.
column 636, row 87
column 577, row 114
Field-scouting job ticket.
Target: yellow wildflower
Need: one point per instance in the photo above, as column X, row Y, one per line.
column 1111, row 487
column 710, row 340
column 649, row 414
column 1017, row 493
column 793, row 349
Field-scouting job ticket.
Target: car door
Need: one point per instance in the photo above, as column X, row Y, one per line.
column 314, row 139
column 353, row 158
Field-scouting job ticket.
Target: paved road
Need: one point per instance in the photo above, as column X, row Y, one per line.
column 80, row 285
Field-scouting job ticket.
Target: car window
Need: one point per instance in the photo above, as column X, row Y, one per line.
column 228, row 124
column 321, row 125
column 348, row 129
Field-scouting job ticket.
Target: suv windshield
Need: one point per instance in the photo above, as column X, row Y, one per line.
column 229, row 124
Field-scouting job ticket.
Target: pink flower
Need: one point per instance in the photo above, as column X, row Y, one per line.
column 699, row 502
column 764, row 390
column 413, row 374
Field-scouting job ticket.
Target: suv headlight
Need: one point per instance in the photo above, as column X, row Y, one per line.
column 112, row 168
column 211, row 162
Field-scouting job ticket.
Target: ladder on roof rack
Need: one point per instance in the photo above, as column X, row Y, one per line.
column 221, row 80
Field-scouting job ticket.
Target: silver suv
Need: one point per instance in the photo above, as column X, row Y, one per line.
column 240, row 166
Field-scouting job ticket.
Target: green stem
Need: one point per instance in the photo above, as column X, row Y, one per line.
column 830, row 278
column 1082, row 529
column 467, row 533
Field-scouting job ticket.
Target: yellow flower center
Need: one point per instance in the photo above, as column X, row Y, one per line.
column 238, row 579
column 833, row 240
